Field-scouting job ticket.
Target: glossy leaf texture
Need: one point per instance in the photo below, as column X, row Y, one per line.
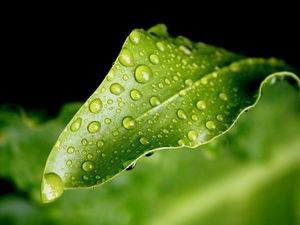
column 162, row 92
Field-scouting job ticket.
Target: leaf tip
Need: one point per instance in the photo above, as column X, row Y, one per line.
column 159, row 29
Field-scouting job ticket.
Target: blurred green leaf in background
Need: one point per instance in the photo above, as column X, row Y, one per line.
column 250, row 176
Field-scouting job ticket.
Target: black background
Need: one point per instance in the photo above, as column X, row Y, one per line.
column 54, row 54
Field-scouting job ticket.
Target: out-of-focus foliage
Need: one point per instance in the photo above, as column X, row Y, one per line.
column 250, row 176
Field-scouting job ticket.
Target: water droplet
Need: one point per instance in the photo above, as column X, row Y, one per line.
column 135, row 37
column 115, row 133
column 94, row 126
column 181, row 114
column 154, row 59
column 192, row 135
column 203, row 80
column 90, row 156
column 107, row 121
column 144, row 141
column 143, row 74
column 167, row 81
column 220, row 117
column 125, row 77
column 69, row 162
column 129, row 165
column 185, row 50
column 100, row 143
column 182, row 92
column 181, row 142
column 135, row 94
column 95, row 105
column 165, row 131
column 87, row 166
column 154, row 101
column 194, row 117
column 85, row 177
column 188, row 82
column 116, row 89
column 149, row 154
column 70, row 149
column 223, row 96
column 210, row 125
column 75, row 126
column 160, row 85
column 110, row 101
column 128, row 122
column 201, row 105
column 52, row 187
column 160, row 46
column 84, row 141
column 110, row 76
column 126, row 57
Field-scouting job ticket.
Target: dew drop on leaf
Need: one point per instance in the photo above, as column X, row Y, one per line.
column 125, row 77
column 52, row 187
column 75, row 126
column 143, row 74
column 181, row 114
column 84, row 141
column 116, row 89
column 154, row 59
column 160, row 46
column 100, row 143
column 135, row 94
column 192, row 135
column 185, row 50
column 129, row 165
column 220, row 117
column 70, row 149
column 85, row 177
column 95, row 105
column 135, row 37
column 126, row 57
column 87, row 166
column 107, row 121
column 181, row 142
column 154, row 101
column 128, row 123
column 194, row 117
column 210, row 125
column 144, row 141
column 182, row 92
column 201, row 105
column 188, row 82
column 94, row 126
column 149, row 154
column 223, row 96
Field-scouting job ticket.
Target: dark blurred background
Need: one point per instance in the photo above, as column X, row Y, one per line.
column 54, row 54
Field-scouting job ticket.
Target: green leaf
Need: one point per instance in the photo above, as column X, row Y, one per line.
column 162, row 92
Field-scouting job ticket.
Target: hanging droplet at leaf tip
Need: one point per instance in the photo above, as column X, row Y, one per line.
column 52, row 187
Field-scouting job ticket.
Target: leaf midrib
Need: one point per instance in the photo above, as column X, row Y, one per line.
column 188, row 88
